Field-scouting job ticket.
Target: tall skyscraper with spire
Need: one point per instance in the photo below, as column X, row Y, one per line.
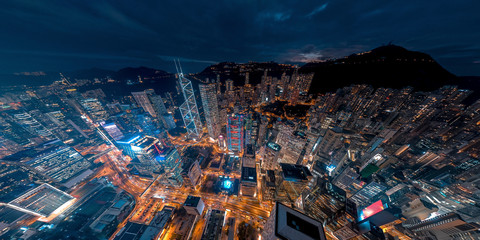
column 189, row 109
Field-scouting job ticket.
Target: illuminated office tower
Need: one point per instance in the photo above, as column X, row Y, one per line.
column 153, row 104
column 142, row 99
column 229, row 85
column 170, row 121
column 194, row 205
column 331, row 141
column 248, row 186
column 295, row 179
column 219, row 85
column 235, row 134
column 195, row 174
column 161, row 110
column 249, row 130
column 147, row 124
column 170, row 160
column 304, row 82
column 158, row 105
column 210, row 107
column 145, row 148
column 214, row 225
column 189, row 109
column 94, row 109
column 270, row 158
column 221, row 142
column 262, row 131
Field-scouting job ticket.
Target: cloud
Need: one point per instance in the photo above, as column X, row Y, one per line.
column 71, row 55
column 308, row 53
column 317, row 10
column 171, row 58
column 276, row 16
column 312, row 53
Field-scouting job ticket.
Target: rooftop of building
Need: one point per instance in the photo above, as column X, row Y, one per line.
column 291, row 224
column 274, row 146
column 249, row 150
column 191, row 201
column 42, row 200
column 295, row 172
column 132, row 231
column 249, row 174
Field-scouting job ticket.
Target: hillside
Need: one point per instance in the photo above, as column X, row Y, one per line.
column 386, row 66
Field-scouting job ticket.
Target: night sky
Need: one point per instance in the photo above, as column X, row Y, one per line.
column 65, row 35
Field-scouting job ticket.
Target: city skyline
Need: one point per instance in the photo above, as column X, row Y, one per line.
column 247, row 120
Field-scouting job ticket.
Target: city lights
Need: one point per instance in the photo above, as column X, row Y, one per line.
column 228, row 120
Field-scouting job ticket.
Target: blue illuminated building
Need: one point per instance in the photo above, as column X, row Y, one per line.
column 126, row 144
column 171, row 161
column 227, row 185
column 147, row 125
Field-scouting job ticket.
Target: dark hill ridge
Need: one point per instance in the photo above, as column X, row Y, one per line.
column 130, row 73
column 90, row 73
column 387, row 66
column 127, row 81
column 122, row 75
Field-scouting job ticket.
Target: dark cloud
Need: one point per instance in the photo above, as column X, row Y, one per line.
column 66, row 34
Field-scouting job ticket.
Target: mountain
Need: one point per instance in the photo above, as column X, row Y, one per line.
column 90, row 73
column 387, row 66
column 131, row 73
column 127, row 81
column 30, row 79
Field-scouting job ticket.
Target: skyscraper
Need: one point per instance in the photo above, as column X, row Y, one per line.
column 159, row 108
column 189, row 109
column 287, row 223
column 262, row 131
column 210, row 107
column 153, row 104
column 229, row 85
column 142, row 99
column 235, row 133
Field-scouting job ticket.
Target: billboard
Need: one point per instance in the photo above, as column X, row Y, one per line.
column 371, row 210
